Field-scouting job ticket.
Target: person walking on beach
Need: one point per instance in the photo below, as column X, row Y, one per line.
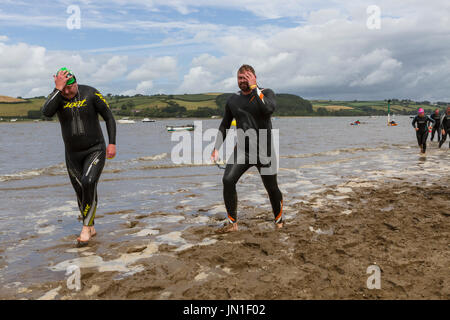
column 445, row 124
column 252, row 108
column 422, row 129
column 77, row 108
column 437, row 125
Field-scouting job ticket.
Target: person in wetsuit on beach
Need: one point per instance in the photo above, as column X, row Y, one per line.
column 437, row 125
column 77, row 108
column 422, row 128
column 445, row 124
column 252, row 108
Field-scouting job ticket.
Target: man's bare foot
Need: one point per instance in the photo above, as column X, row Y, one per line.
column 93, row 232
column 279, row 225
column 85, row 235
column 229, row 227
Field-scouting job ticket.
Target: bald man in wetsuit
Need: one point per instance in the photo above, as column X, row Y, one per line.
column 77, row 108
column 252, row 108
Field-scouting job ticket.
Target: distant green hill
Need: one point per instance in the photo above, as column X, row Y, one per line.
column 212, row 104
column 20, row 109
column 342, row 108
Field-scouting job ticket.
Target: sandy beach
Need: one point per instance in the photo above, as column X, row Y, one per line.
column 323, row 253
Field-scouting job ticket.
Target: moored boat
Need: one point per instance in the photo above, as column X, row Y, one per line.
column 188, row 127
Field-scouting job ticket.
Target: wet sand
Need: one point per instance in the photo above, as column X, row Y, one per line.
column 322, row 253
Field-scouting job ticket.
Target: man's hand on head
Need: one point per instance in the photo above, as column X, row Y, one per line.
column 61, row 80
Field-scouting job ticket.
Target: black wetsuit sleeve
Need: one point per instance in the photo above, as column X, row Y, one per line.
column 52, row 103
column 103, row 109
column 414, row 122
column 266, row 100
column 431, row 120
column 224, row 125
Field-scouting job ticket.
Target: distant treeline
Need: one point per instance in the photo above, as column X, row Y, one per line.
column 287, row 105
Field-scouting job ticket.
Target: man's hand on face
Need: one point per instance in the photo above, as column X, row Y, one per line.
column 61, row 80
column 251, row 79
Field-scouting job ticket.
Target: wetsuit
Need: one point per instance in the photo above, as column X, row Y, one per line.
column 445, row 124
column 84, row 142
column 437, row 126
column 252, row 113
column 422, row 133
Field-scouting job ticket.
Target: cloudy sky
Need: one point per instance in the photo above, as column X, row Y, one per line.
column 313, row 48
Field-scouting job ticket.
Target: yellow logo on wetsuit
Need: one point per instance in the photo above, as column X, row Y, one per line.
column 76, row 104
column 86, row 210
column 103, row 99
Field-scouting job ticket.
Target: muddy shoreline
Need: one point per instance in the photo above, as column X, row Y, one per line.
column 322, row 253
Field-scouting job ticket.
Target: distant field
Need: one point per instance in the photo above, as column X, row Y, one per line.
column 190, row 102
column 377, row 105
column 10, row 99
column 21, row 109
column 331, row 107
column 195, row 97
column 191, row 105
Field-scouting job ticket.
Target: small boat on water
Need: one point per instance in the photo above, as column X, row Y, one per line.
column 147, row 120
column 189, row 127
column 13, row 120
column 126, row 120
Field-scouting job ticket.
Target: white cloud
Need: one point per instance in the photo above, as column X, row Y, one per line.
column 114, row 68
column 143, row 87
column 154, row 67
column 335, row 55
column 376, row 67
column 199, row 79
column 151, row 69
column 27, row 70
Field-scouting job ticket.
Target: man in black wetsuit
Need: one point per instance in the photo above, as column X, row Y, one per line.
column 422, row 129
column 445, row 124
column 252, row 108
column 437, row 125
column 77, row 108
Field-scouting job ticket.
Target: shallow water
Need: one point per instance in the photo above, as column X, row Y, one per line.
column 144, row 197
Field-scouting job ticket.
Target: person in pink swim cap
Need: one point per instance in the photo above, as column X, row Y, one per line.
column 422, row 127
